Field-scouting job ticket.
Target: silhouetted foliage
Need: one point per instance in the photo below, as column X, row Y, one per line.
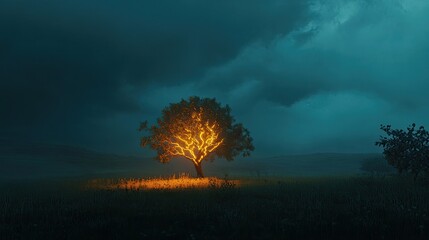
column 197, row 129
column 407, row 151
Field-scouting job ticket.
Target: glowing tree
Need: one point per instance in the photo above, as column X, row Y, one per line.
column 197, row 129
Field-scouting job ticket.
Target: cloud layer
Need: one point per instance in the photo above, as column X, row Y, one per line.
column 303, row 76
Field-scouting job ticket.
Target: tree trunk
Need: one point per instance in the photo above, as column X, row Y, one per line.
column 199, row 170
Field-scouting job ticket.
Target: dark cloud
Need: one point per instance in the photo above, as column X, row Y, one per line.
column 367, row 46
column 322, row 74
column 361, row 66
column 65, row 63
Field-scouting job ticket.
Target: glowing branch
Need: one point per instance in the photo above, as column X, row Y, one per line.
column 196, row 140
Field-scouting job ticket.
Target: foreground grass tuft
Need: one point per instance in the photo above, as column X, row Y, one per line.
column 181, row 181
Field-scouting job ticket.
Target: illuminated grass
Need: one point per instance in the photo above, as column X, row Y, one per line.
column 181, row 181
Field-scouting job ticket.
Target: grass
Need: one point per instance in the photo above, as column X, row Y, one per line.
column 272, row 208
column 178, row 182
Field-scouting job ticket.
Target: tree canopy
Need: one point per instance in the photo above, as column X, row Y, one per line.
column 407, row 151
column 197, row 129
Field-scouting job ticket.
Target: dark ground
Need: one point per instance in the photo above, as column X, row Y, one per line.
column 355, row 207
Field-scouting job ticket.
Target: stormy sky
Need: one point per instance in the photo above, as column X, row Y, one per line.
column 303, row 76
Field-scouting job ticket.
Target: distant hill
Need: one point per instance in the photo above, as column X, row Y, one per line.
column 44, row 160
column 46, row 150
column 309, row 164
column 19, row 161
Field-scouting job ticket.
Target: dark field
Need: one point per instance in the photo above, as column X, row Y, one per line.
column 266, row 208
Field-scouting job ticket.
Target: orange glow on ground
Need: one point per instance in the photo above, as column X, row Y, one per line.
column 175, row 182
